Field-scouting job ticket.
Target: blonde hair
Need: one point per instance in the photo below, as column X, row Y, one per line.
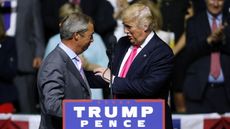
column 67, row 9
column 140, row 14
column 121, row 5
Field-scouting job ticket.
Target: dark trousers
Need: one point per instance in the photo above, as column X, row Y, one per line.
column 214, row 100
column 27, row 91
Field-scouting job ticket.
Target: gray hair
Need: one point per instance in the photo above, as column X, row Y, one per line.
column 75, row 22
column 141, row 14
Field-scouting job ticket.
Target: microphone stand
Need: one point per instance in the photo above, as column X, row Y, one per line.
column 111, row 77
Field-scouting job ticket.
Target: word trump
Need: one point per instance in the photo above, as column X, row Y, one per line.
column 119, row 114
column 128, row 115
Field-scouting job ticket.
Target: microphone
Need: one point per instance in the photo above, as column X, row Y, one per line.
column 110, row 50
column 110, row 54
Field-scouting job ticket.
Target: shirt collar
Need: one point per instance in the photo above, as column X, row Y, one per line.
column 149, row 37
column 68, row 51
column 218, row 18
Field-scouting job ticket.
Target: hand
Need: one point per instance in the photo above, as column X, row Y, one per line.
column 105, row 73
column 37, row 62
column 179, row 102
column 216, row 36
column 190, row 11
column 86, row 64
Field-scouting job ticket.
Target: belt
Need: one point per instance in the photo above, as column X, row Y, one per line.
column 215, row 85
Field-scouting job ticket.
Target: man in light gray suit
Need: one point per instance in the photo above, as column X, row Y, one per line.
column 60, row 76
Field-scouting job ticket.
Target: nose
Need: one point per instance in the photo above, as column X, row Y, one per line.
column 91, row 40
column 215, row 3
column 126, row 30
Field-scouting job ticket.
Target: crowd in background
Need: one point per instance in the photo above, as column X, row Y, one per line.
column 28, row 29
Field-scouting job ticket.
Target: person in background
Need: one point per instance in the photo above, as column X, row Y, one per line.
column 142, row 61
column 206, row 86
column 8, row 61
column 50, row 16
column 22, row 21
column 61, row 75
column 119, row 6
column 182, row 40
column 178, row 96
column 101, row 12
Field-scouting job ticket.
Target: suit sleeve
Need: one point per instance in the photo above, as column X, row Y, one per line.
column 52, row 84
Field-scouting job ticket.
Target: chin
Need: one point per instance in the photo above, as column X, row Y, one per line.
column 85, row 48
column 132, row 41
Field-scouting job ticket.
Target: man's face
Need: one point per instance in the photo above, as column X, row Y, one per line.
column 135, row 34
column 86, row 38
column 215, row 6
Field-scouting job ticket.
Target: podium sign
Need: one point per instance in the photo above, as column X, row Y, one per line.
column 119, row 114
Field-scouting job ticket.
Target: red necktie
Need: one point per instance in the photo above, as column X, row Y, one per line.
column 129, row 61
column 215, row 56
column 76, row 2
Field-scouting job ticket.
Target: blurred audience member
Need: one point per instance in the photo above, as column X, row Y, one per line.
column 207, row 82
column 199, row 6
column 23, row 21
column 119, row 8
column 173, row 12
column 179, row 101
column 8, row 63
column 102, row 13
column 182, row 40
column 50, row 16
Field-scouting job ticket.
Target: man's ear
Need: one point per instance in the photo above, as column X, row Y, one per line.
column 146, row 27
column 76, row 36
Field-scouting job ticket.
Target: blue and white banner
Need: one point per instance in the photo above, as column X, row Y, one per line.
column 119, row 114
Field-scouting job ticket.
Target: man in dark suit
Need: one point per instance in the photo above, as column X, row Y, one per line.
column 207, row 81
column 60, row 76
column 142, row 62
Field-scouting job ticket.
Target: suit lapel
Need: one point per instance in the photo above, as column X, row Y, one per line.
column 72, row 68
column 120, row 55
column 142, row 56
